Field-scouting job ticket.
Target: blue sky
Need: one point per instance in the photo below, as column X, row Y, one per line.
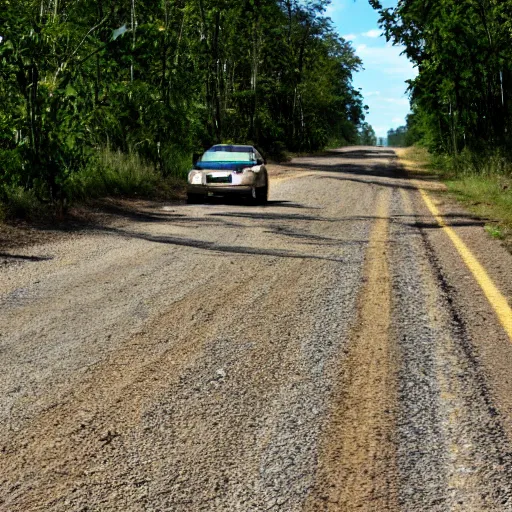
column 382, row 82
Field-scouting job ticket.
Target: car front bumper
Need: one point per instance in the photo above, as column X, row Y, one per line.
column 221, row 190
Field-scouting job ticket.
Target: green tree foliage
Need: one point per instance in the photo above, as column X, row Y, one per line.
column 397, row 138
column 462, row 95
column 163, row 79
column 367, row 135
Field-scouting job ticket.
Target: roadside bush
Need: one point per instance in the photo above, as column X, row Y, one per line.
column 482, row 183
column 20, row 204
column 11, row 165
column 108, row 173
column 112, row 173
column 469, row 163
column 176, row 163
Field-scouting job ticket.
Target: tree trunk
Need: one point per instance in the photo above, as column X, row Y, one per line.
column 217, row 120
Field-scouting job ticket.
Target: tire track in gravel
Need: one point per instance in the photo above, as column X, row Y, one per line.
column 357, row 466
column 453, row 453
column 216, row 403
column 280, row 373
column 339, row 374
column 109, row 401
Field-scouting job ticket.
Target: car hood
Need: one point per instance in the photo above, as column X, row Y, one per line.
column 223, row 166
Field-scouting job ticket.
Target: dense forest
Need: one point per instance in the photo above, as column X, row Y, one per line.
column 461, row 98
column 82, row 81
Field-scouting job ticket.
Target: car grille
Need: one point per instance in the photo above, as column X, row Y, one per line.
column 218, row 179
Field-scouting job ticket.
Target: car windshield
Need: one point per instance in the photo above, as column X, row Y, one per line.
column 228, row 156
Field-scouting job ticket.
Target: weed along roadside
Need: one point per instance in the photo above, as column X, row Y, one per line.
column 486, row 193
column 109, row 174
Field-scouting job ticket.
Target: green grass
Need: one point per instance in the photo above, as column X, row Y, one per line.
column 482, row 184
column 19, row 203
column 113, row 174
column 109, row 174
column 488, row 196
column 495, row 232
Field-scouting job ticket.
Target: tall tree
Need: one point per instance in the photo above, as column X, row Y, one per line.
column 165, row 77
column 462, row 49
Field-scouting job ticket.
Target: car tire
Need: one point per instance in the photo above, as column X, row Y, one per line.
column 194, row 198
column 262, row 194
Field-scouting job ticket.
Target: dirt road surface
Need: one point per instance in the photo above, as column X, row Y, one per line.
column 330, row 351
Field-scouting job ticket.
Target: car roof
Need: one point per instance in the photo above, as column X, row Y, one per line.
column 230, row 148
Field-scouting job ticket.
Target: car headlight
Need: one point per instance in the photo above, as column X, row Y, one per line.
column 251, row 169
column 195, row 177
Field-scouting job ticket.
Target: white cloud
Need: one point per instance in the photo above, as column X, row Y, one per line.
column 334, row 7
column 400, row 70
column 397, row 101
column 349, row 37
column 388, row 59
column 385, row 71
column 384, row 105
column 372, row 33
column 381, row 131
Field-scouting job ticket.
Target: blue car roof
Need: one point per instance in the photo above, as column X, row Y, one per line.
column 232, row 148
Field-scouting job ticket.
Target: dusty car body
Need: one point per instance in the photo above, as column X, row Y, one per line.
column 228, row 169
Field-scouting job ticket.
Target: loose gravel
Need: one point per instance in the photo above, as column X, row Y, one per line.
column 203, row 357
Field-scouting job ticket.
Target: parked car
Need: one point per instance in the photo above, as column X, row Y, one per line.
column 229, row 169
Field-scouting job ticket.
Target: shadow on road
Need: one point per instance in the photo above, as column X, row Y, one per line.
column 348, row 162
column 20, row 257
column 212, row 246
column 109, row 215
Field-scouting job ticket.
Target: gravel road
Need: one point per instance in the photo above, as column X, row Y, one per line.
column 327, row 352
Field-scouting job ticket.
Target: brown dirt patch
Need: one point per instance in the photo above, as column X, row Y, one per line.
column 357, row 466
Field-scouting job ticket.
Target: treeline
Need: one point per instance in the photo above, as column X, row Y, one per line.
column 461, row 98
column 399, row 137
column 162, row 79
column 367, row 135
